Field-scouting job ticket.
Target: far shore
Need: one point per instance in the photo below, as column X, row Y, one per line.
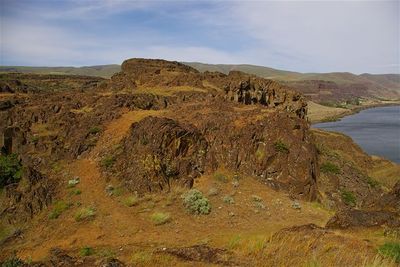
column 318, row 113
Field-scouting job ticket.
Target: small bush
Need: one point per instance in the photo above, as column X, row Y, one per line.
column 107, row 161
column 86, row 251
column 10, row 170
column 281, row 147
column 220, row 177
column 349, row 198
column 58, row 208
column 94, row 130
column 228, row 199
column 391, row 250
column 131, row 201
column 85, row 214
column 160, row 218
column 13, row 262
column 329, row 167
column 196, row 203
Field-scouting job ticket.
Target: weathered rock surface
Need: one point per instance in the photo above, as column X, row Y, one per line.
column 363, row 218
column 23, row 201
column 159, row 152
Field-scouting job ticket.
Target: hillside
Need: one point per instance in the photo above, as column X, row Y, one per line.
column 104, row 71
column 163, row 165
column 341, row 89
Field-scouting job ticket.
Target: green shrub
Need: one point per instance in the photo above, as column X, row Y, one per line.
column 94, row 130
column 107, row 161
column 159, row 218
column 281, row 147
column 131, row 201
column 349, row 198
column 220, row 177
column 196, row 203
column 13, row 262
column 85, row 214
column 58, row 208
column 391, row 250
column 329, row 167
column 10, row 169
column 86, row 251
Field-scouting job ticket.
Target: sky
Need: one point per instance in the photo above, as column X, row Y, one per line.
column 304, row 36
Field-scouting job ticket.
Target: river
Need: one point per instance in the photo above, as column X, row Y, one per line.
column 375, row 130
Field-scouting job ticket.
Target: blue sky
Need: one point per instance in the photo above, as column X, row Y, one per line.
column 313, row 36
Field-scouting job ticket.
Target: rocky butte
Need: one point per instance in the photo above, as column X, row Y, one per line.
column 97, row 156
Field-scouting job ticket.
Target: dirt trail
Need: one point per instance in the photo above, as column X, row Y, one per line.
column 118, row 128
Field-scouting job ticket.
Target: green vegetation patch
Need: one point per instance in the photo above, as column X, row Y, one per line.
column 391, row 250
column 58, row 208
column 372, row 182
column 131, row 201
column 159, row 218
column 281, row 147
column 86, row 251
column 107, row 162
column 94, row 130
column 195, row 202
column 329, row 167
column 349, row 198
column 10, row 169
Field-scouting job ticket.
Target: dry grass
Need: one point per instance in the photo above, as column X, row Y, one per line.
column 42, row 130
column 82, row 110
column 167, row 91
column 317, row 112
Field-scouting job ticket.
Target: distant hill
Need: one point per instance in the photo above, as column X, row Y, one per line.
column 331, row 87
column 105, row 71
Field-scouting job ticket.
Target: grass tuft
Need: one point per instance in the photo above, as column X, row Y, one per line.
column 58, row 208
column 349, row 198
column 391, row 250
column 159, row 218
column 131, row 201
column 85, row 214
column 329, row 167
column 86, row 251
column 281, row 147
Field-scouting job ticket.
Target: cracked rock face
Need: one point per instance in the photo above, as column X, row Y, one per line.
column 159, row 152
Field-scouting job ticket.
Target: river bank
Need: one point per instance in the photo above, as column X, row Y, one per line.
column 318, row 113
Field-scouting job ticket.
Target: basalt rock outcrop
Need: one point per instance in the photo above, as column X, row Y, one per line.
column 236, row 86
column 25, row 199
column 160, row 152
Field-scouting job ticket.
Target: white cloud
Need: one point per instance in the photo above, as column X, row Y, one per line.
column 301, row 36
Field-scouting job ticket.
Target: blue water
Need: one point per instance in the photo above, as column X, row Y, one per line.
column 376, row 130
